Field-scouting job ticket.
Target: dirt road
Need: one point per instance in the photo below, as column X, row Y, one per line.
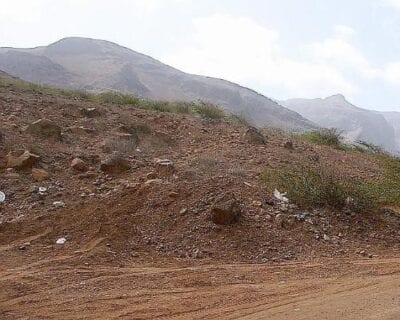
column 57, row 289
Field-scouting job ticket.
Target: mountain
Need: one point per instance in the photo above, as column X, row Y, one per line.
column 356, row 123
column 99, row 65
column 393, row 118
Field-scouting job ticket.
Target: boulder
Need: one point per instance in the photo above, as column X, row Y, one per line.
column 79, row 165
column 40, row 174
column 226, row 211
column 115, row 164
column 21, row 161
column 254, row 136
column 45, row 128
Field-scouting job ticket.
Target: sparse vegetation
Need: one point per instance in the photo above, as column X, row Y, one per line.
column 240, row 119
column 330, row 137
column 116, row 98
column 322, row 186
column 209, row 111
column 387, row 187
column 364, row 146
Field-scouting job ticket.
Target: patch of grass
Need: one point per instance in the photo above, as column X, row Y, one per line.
column 367, row 147
column 208, row 110
column 387, row 187
column 6, row 81
column 115, row 97
column 330, row 137
column 320, row 186
column 204, row 109
column 240, row 119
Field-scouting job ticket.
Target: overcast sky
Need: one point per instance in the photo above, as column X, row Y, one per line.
column 281, row 48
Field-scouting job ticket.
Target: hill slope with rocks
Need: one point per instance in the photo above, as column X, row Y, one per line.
column 356, row 123
column 97, row 65
column 114, row 211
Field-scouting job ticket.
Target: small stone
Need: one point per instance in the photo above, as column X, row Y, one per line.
column 280, row 220
column 288, row 145
column 59, row 204
column 61, row 241
column 45, row 128
column 40, row 174
column 79, row 165
column 256, row 203
column 21, row 161
column 115, row 164
column 165, row 167
column 151, row 175
column 90, row 112
column 183, row 211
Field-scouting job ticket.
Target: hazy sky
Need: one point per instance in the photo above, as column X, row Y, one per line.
column 282, row 48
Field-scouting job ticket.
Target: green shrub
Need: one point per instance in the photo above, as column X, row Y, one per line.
column 320, row 186
column 183, row 107
column 209, row 111
column 330, row 137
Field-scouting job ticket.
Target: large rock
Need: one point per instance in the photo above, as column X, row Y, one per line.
column 253, row 136
column 115, row 164
column 45, row 128
column 21, row 161
column 226, row 211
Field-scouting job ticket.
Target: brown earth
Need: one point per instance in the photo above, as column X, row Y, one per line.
column 141, row 244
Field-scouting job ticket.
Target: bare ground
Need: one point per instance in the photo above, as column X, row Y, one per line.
column 327, row 289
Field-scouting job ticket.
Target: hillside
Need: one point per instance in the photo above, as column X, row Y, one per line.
column 121, row 211
column 356, row 123
column 98, row 65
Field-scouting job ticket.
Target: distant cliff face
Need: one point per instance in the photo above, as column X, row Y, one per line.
column 100, row 65
column 356, row 123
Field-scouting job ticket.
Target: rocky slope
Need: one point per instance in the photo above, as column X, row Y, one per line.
column 100, row 65
column 381, row 129
column 179, row 187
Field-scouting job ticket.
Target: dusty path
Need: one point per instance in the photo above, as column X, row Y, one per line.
column 364, row 289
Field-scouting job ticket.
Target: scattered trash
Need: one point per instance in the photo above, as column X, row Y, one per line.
column 247, row 184
column 42, row 190
column 61, row 241
column 59, row 204
column 2, row 197
column 281, row 196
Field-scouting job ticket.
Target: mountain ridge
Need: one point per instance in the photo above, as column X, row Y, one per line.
column 98, row 65
column 356, row 123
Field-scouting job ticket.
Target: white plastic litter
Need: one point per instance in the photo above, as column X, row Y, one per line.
column 59, row 204
column 2, row 197
column 42, row 189
column 281, row 196
column 61, row 241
